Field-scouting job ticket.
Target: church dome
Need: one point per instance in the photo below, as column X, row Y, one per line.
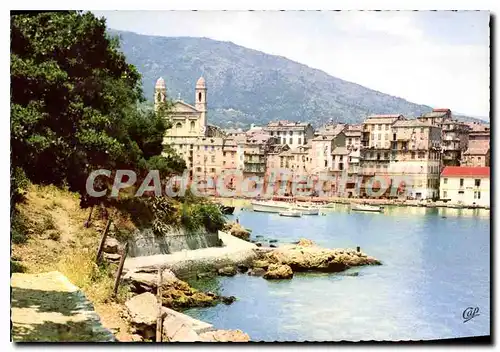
column 200, row 83
column 160, row 83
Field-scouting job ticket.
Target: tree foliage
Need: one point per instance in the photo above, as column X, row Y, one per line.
column 75, row 103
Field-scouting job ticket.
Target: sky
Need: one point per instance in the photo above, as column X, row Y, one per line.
column 437, row 58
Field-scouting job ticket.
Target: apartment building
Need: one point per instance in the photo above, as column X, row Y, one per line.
column 455, row 138
column 291, row 133
column 466, row 185
column 436, row 116
column 415, row 157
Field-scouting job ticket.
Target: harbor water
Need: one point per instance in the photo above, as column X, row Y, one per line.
column 436, row 264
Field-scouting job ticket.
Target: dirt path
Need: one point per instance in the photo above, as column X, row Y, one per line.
column 48, row 308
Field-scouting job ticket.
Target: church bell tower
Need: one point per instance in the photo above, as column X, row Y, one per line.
column 201, row 103
column 160, row 92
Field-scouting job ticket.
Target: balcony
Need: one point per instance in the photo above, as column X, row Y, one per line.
column 353, row 169
column 256, row 168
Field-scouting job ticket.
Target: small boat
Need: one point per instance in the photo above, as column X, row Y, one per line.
column 366, row 207
column 226, row 210
column 291, row 213
column 270, row 206
column 307, row 209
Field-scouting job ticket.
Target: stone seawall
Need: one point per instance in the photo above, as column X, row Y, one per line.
column 146, row 243
column 187, row 262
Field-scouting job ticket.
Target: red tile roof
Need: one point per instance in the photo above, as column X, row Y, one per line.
column 466, row 171
column 440, row 110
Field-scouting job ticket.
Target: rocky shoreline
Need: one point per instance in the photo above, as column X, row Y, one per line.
column 270, row 263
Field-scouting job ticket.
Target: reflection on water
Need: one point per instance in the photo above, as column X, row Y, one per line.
column 436, row 264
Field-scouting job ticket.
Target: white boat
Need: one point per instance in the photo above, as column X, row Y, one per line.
column 366, row 207
column 270, row 206
column 291, row 213
column 307, row 209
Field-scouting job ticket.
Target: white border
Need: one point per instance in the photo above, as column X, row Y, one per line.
column 186, row 5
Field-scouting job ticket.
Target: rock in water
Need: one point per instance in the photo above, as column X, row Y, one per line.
column 257, row 272
column 227, row 271
column 277, row 271
column 304, row 242
column 314, row 258
column 236, row 230
column 242, row 268
column 111, row 245
column 260, row 264
column 228, row 300
column 225, row 336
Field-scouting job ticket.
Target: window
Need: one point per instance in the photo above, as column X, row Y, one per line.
column 379, row 127
column 477, row 195
column 212, row 169
column 213, row 158
column 192, row 126
column 386, row 136
column 341, row 158
column 178, row 125
column 461, row 182
column 349, row 141
column 422, row 130
column 445, row 194
column 386, row 155
column 291, row 140
column 199, row 96
column 300, row 141
column 421, row 155
column 224, row 162
column 224, row 154
column 198, row 169
column 373, row 136
column 379, row 137
column 477, row 182
column 283, row 141
column 413, row 155
column 206, row 147
column 326, row 163
column 290, row 133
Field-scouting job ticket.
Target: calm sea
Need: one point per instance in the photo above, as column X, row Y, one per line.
column 436, row 264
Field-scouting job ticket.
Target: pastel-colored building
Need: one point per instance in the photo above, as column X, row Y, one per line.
column 466, row 185
column 291, row 133
column 415, row 157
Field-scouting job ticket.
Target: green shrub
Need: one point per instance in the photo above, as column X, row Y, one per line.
column 16, row 267
column 18, row 229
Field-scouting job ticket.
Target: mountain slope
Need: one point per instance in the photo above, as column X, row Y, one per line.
column 247, row 86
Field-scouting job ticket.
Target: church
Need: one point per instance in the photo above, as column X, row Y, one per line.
column 190, row 130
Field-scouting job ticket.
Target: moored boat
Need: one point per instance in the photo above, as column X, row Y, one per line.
column 291, row 213
column 307, row 209
column 366, row 207
column 270, row 206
